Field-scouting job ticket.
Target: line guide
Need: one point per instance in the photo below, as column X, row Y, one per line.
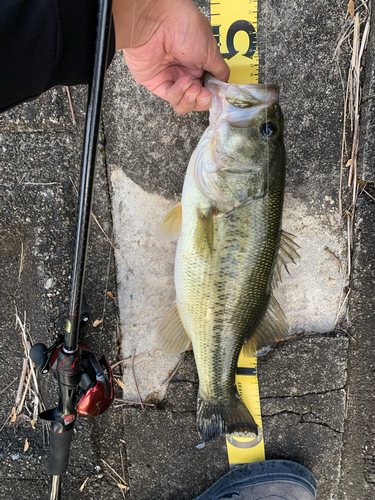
column 234, row 25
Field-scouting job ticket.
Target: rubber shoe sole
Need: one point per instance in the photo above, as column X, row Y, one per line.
column 268, row 480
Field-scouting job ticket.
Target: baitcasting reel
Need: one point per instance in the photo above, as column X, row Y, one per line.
column 95, row 391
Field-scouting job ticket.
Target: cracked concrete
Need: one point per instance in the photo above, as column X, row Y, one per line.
column 303, row 403
column 326, row 408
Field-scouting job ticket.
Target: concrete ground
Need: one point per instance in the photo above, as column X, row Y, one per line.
column 316, row 390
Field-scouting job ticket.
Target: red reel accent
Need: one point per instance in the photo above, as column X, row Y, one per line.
column 96, row 400
column 98, row 397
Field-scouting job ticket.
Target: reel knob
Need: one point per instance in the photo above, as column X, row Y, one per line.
column 39, row 357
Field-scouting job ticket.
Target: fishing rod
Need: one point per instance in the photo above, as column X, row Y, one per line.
column 85, row 383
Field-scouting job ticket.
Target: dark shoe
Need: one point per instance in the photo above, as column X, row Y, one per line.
column 268, row 480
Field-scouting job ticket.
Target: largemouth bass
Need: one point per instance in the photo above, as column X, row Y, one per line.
column 230, row 249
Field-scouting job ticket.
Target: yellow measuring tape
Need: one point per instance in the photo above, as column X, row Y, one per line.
column 234, row 24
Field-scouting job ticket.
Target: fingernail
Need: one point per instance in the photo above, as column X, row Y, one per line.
column 192, row 97
column 203, row 101
column 184, row 89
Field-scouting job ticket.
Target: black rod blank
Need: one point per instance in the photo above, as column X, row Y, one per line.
column 87, row 174
column 61, row 434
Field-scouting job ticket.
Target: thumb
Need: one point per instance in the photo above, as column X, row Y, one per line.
column 217, row 66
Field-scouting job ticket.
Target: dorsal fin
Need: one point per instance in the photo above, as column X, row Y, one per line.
column 287, row 253
column 271, row 327
column 171, row 335
column 204, row 233
column 169, row 228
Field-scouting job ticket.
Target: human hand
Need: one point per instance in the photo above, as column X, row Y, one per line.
column 170, row 48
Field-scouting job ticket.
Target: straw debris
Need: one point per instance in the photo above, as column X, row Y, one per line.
column 355, row 31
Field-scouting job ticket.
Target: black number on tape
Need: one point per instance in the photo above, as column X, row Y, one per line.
column 235, row 27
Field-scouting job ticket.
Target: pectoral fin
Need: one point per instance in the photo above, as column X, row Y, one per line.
column 204, row 232
column 287, row 253
column 171, row 335
column 271, row 327
column 169, row 228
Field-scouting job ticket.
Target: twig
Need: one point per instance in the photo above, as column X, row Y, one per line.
column 343, row 147
column 7, row 387
column 335, row 258
column 84, row 484
column 19, row 409
column 117, row 483
column 37, row 183
column 113, row 470
column 70, row 105
column 36, row 407
column 368, row 194
column 26, row 345
column 173, row 373
column 136, row 383
column 5, row 422
column 352, row 29
column 21, row 263
column 22, row 381
column 121, row 361
column 341, row 307
column 105, row 234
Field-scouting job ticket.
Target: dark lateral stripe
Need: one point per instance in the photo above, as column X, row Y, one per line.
column 246, row 371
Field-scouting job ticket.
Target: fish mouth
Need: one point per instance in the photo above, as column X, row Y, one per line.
column 239, row 104
column 251, row 93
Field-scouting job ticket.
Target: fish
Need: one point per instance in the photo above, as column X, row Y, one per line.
column 230, row 250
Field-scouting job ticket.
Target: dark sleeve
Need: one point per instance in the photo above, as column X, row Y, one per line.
column 44, row 43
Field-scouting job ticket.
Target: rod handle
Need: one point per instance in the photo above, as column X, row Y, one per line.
column 59, row 452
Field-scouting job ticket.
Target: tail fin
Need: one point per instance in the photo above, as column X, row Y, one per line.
column 213, row 420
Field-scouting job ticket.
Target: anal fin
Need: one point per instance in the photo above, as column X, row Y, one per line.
column 171, row 335
column 272, row 326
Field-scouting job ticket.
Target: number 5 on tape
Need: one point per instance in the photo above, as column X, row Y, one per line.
column 234, row 24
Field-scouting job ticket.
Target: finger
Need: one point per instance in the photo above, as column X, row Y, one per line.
column 174, row 92
column 202, row 101
column 217, row 66
column 182, row 94
column 196, row 98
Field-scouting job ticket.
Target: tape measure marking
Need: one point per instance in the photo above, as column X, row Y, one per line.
column 234, row 25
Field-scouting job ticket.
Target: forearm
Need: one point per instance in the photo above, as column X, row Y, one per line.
column 137, row 20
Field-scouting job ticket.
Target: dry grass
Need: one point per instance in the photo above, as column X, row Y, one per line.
column 28, row 402
column 355, row 32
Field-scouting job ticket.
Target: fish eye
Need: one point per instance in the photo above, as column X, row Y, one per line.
column 268, row 129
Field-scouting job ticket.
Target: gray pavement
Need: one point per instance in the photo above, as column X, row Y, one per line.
column 316, row 390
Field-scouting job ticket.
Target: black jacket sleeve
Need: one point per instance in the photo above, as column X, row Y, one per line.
column 44, row 43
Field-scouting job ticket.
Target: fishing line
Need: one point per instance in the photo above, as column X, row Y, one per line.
column 267, row 144
column 229, row 17
column 132, row 32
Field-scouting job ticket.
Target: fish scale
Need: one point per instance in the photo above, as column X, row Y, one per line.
column 245, row 282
